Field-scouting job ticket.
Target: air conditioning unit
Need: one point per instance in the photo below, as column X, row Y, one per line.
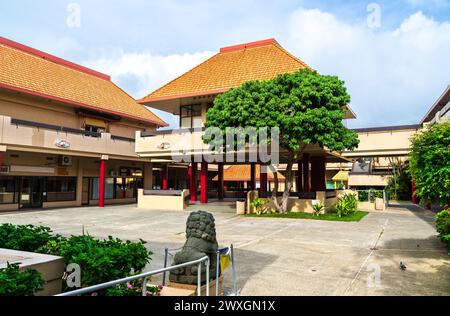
column 66, row 161
column 4, row 169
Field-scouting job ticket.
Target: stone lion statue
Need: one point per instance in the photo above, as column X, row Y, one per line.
column 200, row 241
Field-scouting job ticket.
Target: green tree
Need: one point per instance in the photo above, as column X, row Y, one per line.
column 306, row 107
column 430, row 164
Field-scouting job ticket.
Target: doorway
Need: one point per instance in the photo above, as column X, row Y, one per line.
column 31, row 192
column 85, row 191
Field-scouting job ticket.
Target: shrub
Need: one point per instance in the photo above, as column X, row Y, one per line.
column 318, row 208
column 14, row 282
column 259, row 204
column 102, row 260
column 346, row 205
column 133, row 289
column 363, row 196
column 25, row 237
column 443, row 226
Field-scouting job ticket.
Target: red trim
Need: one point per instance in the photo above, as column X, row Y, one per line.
column 204, row 183
column 46, row 96
column 52, row 58
column 101, row 185
column 164, row 183
column 192, row 173
column 248, row 45
column 179, row 96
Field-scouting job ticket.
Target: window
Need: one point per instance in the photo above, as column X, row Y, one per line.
column 109, row 188
column 191, row 116
column 126, row 188
column 93, row 131
column 9, row 190
column 60, row 189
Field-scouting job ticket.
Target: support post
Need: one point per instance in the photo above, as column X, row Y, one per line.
column 204, row 183
column 299, row 179
column 306, row 185
column 318, row 181
column 221, row 188
column 101, row 184
column 192, row 173
column 164, row 173
column 263, row 179
column 253, row 176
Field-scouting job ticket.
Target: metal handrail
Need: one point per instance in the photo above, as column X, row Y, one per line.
column 145, row 276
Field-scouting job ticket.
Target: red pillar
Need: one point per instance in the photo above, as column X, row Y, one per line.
column 221, row 188
column 204, row 183
column 124, row 185
column 318, row 181
column 101, row 185
column 306, row 186
column 263, row 179
column 252, row 176
column 164, row 172
column 414, row 198
column 192, row 173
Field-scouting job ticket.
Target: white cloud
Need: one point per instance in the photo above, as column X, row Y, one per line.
column 393, row 76
column 147, row 72
column 390, row 74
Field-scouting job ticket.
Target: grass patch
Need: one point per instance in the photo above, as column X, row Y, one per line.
column 356, row 217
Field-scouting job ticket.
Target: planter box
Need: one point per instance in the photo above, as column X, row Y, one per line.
column 50, row 267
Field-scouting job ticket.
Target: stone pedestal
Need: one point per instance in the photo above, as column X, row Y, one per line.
column 189, row 287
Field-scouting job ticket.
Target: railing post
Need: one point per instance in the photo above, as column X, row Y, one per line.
column 234, row 269
column 217, row 272
column 207, row 264
column 144, row 287
column 199, row 279
column 166, row 254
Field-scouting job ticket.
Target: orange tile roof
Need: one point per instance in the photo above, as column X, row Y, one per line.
column 30, row 71
column 243, row 172
column 229, row 68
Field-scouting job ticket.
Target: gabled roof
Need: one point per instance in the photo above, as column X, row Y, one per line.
column 229, row 68
column 240, row 173
column 443, row 100
column 33, row 72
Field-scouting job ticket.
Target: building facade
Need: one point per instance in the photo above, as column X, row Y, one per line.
column 66, row 134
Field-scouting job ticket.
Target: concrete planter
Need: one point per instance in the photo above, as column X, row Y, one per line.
column 240, row 207
column 50, row 267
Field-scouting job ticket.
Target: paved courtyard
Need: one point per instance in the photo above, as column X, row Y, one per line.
column 287, row 256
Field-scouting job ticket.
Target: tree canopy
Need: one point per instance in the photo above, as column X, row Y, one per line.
column 306, row 107
column 430, row 164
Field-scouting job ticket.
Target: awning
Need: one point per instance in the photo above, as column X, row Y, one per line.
column 94, row 122
column 341, row 176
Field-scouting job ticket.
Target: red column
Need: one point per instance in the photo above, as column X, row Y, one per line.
column 414, row 198
column 124, row 185
column 318, row 181
column 299, row 179
column 221, row 188
column 101, row 185
column 204, row 183
column 192, row 173
column 253, row 176
column 263, row 179
column 306, row 186
column 164, row 172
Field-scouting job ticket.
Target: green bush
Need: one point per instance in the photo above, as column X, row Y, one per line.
column 259, row 205
column 346, row 205
column 363, row 196
column 443, row 226
column 25, row 237
column 318, row 208
column 14, row 282
column 102, row 260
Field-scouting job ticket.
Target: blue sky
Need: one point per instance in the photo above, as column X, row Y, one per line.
column 394, row 71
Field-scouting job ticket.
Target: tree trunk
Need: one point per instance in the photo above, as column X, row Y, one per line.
column 288, row 183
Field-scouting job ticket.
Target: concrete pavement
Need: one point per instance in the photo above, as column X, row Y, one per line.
column 287, row 256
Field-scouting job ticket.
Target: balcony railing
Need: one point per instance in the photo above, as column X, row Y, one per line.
column 17, row 132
